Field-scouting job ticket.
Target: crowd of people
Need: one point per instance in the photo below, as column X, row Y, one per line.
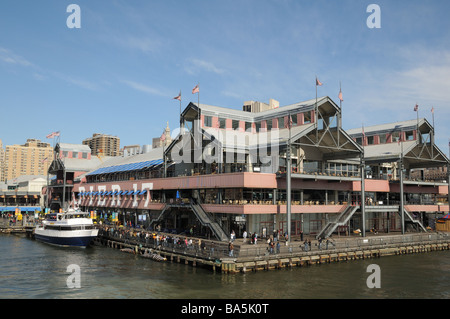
column 160, row 240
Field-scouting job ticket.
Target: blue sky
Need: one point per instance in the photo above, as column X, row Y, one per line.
column 118, row 73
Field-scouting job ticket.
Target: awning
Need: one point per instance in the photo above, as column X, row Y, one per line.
column 21, row 208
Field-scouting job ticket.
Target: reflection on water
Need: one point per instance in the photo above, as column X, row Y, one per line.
column 31, row 269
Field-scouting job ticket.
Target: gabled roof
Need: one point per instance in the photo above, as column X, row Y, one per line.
column 256, row 116
column 414, row 153
column 391, row 127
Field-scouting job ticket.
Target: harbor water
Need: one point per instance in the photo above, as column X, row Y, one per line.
column 33, row 270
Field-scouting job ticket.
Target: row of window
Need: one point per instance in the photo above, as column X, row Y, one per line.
column 84, row 227
column 392, row 137
column 84, row 155
column 267, row 124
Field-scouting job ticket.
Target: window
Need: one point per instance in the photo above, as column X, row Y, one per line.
column 222, row 122
column 294, row 119
column 258, row 126
column 395, row 136
column 208, row 121
column 307, row 117
column 235, row 124
column 269, row 125
column 410, row 136
column 383, row 138
column 74, row 154
column 84, row 155
column 359, row 140
column 248, row 126
column 281, row 122
column 370, row 140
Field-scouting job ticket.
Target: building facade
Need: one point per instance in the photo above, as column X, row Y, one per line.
column 291, row 169
column 31, row 158
column 103, row 145
column 22, row 195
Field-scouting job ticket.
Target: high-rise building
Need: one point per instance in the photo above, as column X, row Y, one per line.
column 2, row 161
column 102, row 144
column 32, row 158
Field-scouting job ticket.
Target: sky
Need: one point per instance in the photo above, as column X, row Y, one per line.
column 118, row 73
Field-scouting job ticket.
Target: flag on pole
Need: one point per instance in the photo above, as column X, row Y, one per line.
column 340, row 96
column 195, row 89
column 432, row 110
column 318, row 82
column 53, row 134
column 178, row 97
column 416, row 108
column 163, row 137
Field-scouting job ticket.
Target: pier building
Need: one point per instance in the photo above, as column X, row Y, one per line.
column 289, row 168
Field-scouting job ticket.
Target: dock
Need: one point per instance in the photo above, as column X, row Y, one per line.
column 253, row 258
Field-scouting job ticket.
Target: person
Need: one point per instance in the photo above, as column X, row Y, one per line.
column 211, row 250
column 278, row 247
column 230, row 249
column 244, row 235
column 306, row 245
column 233, row 235
column 320, row 243
column 271, row 246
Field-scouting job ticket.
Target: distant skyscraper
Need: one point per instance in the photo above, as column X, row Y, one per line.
column 104, row 145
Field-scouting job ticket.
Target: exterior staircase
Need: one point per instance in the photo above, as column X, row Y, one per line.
column 207, row 220
column 341, row 220
column 414, row 221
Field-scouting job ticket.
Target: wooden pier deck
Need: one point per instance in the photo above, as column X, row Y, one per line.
column 251, row 261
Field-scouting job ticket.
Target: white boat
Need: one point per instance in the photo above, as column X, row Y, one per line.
column 72, row 228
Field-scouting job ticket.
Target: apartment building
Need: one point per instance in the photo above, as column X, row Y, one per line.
column 32, row 158
column 103, row 145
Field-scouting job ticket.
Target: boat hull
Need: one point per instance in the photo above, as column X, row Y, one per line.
column 66, row 239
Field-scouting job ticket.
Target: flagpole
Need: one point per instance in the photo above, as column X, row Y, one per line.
column 288, row 182
column 448, row 176
column 418, row 132
column 180, row 109
column 363, row 186
column 402, row 203
column 316, row 116
column 340, row 112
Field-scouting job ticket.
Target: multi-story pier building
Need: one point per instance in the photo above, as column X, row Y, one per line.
column 274, row 168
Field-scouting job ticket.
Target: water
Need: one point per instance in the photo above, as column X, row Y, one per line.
column 30, row 269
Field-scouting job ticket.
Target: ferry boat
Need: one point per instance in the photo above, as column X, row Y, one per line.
column 73, row 228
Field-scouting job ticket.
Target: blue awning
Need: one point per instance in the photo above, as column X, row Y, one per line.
column 22, row 208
